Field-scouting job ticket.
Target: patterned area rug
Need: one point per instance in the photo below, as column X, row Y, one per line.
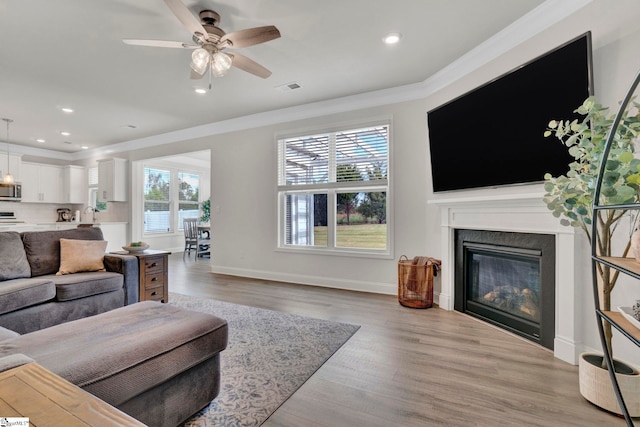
column 269, row 356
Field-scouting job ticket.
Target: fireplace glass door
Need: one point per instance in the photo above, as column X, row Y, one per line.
column 507, row 282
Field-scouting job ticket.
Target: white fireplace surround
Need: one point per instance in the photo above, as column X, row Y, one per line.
column 524, row 213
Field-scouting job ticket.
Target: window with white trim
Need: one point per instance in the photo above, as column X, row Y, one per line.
column 169, row 196
column 92, row 178
column 333, row 190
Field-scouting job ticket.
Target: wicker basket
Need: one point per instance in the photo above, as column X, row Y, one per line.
column 415, row 281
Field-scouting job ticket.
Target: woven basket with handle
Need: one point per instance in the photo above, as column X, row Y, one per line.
column 415, row 281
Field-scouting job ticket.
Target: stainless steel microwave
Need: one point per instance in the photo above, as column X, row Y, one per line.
column 11, row 192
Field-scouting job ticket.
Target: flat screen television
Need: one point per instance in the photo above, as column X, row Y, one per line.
column 493, row 135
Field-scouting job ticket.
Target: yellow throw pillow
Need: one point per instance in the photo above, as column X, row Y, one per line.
column 81, row 255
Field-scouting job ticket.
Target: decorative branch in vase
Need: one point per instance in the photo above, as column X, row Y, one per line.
column 570, row 196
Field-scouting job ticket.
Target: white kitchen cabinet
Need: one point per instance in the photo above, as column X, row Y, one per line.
column 112, row 180
column 74, row 184
column 41, row 183
column 15, row 161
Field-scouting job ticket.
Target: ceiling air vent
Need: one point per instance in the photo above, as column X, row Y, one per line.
column 288, row 87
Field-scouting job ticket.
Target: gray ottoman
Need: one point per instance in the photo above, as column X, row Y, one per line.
column 156, row 362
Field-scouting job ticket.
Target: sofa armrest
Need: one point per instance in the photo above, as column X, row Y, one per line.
column 13, row 361
column 127, row 265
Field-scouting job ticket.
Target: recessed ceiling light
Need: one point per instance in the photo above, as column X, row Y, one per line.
column 200, row 91
column 392, row 38
column 40, row 140
column 67, row 109
column 84, row 147
column 65, row 133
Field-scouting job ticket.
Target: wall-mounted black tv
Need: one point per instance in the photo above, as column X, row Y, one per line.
column 493, row 135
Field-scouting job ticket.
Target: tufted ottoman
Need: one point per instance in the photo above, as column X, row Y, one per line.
column 156, row 362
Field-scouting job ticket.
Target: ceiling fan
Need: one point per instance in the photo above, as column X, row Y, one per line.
column 210, row 41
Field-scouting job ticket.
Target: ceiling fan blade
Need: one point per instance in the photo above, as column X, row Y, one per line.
column 185, row 16
column 251, row 36
column 248, row 65
column 159, row 43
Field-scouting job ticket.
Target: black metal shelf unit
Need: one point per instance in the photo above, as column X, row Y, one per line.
column 626, row 266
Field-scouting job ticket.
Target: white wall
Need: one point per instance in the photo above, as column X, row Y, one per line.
column 243, row 170
column 244, row 228
column 244, row 209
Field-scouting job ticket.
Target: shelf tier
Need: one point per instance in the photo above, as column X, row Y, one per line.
column 632, row 206
column 619, row 322
column 629, row 265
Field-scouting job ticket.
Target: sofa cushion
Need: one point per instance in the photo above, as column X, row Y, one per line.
column 79, row 285
column 20, row 293
column 122, row 353
column 43, row 247
column 7, row 333
column 81, row 255
column 14, row 263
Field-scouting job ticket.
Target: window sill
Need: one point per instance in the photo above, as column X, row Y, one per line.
column 342, row 252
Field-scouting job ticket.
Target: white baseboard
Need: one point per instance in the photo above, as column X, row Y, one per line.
column 443, row 301
column 565, row 350
column 351, row 285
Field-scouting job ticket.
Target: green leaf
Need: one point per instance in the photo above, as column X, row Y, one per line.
column 612, row 165
column 610, row 177
column 574, row 152
column 634, row 179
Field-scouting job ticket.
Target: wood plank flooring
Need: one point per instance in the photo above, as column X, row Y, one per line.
column 408, row 367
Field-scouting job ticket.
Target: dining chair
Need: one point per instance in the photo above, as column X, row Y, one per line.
column 193, row 240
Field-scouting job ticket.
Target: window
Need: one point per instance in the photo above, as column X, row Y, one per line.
column 169, row 197
column 92, row 177
column 333, row 190
column 188, row 196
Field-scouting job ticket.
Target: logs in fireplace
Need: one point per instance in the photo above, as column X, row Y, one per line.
column 507, row 279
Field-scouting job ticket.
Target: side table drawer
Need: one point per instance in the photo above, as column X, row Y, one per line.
column 154, row 264
column 154, row 294
column 152, row 280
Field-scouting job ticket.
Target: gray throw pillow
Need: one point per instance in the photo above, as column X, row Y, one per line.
column 13, row 259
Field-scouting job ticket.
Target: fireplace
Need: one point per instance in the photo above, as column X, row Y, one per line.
column 507, row 279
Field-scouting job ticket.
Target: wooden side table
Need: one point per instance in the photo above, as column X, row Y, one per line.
column 31, row 391
column 153, row 267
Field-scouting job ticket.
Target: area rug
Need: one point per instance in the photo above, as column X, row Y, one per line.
column 269, row 356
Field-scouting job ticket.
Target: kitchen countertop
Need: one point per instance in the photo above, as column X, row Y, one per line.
column 63, row 223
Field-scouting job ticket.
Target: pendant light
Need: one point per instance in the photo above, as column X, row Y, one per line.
column 8, row 177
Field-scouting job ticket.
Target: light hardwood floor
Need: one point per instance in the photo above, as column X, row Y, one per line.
column 408, row 367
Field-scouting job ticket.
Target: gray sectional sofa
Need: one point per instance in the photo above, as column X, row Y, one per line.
column 156, row 362
column 33, row 297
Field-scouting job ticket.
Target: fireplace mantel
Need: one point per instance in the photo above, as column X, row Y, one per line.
column 524, row 213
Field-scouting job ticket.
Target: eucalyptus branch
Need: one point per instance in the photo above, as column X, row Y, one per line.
column 572, row 195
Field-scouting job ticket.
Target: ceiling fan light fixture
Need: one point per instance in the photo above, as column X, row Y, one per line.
column 220, row 64
column 199, row 60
